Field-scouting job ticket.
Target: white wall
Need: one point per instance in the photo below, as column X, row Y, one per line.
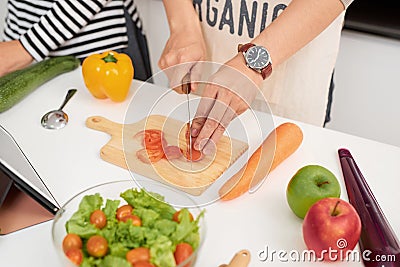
column 157, row 32
column 367, row 95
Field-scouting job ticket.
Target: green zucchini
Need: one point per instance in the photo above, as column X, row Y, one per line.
column 18, row 84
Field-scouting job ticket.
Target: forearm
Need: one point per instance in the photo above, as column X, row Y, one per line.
column 59, row 24
column 181, row 14
column 299, row 23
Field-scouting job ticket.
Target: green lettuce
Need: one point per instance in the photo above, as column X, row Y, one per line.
column 144, row 199
column 158, row 231
column 80, row 221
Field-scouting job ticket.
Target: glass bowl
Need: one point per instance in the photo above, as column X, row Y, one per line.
column 112, row 190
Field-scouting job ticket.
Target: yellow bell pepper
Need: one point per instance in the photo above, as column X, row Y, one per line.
column 108, row 75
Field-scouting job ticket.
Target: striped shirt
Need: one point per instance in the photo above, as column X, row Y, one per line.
column 69, row 27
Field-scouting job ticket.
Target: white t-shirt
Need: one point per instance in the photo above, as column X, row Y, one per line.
column 298, row 88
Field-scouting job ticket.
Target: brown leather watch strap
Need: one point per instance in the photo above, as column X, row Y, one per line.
column 244, row 47
column 265, row 72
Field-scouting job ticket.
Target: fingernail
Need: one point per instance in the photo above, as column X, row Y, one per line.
column 210, row 148
column 195, row 132
column 202, row 144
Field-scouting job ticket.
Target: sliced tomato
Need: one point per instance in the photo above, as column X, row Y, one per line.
column 149, row 156
column 172, row 152
column 196, row 155
column 150, row 137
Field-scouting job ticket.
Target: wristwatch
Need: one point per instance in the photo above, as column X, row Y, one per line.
column 257, row 58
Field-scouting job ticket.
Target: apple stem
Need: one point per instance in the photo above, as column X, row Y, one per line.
column 321, row 184
column 334, row 212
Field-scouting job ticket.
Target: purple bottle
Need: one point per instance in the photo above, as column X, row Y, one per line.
column 378, row 243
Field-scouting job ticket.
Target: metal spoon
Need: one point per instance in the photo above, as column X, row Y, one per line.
column 57, row 119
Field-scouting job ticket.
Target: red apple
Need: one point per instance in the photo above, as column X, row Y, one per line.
column 331, row 228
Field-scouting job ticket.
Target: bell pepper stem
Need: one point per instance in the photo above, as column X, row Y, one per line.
column 110, row 58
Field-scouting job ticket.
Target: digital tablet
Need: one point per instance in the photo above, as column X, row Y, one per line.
column 20, row 184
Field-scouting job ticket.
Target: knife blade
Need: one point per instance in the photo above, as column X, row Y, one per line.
column 186, row 88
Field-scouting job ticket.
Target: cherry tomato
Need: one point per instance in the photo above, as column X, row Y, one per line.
column 75, row 255
column 138, row 254
column 97, row 246
column 71, row 241
column 142, row 264
column 98, row 218
column 182, row 253
column 123, row 211
column 176, row 216
column 135, row 219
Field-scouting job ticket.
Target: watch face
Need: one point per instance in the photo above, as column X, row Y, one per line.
column 257, row 57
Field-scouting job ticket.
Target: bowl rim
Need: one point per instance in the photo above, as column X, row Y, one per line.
column 202, row 223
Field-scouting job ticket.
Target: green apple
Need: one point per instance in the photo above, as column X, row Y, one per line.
column 310, row 184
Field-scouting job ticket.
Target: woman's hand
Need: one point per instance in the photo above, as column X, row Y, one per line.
column 185, row 45
column 228, row 93
column 13, row 56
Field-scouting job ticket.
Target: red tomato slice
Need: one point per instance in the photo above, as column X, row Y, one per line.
column 172, row 152
column 196, row 155
column 149, row 137
column 149, row 156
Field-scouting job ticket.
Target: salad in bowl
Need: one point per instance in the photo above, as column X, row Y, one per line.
column 118, row 224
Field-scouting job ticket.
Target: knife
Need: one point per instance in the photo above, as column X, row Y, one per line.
column 186, row 88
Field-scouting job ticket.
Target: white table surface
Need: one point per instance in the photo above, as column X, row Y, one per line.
column 68, row 161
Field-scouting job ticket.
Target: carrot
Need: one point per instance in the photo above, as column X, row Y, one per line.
column 278, row 146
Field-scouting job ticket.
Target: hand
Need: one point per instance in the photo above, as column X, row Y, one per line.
column 228, row 93
column 13, row 56
column 185, row 45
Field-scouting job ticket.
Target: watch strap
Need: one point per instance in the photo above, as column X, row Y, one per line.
column 265, row 72
column 244, row 47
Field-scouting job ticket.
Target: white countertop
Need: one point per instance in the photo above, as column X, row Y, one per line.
column 68, row 161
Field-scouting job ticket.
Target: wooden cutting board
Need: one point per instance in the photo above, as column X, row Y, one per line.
column 122, row 147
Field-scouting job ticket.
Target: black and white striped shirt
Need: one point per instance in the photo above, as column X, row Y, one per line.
column 69, row 27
